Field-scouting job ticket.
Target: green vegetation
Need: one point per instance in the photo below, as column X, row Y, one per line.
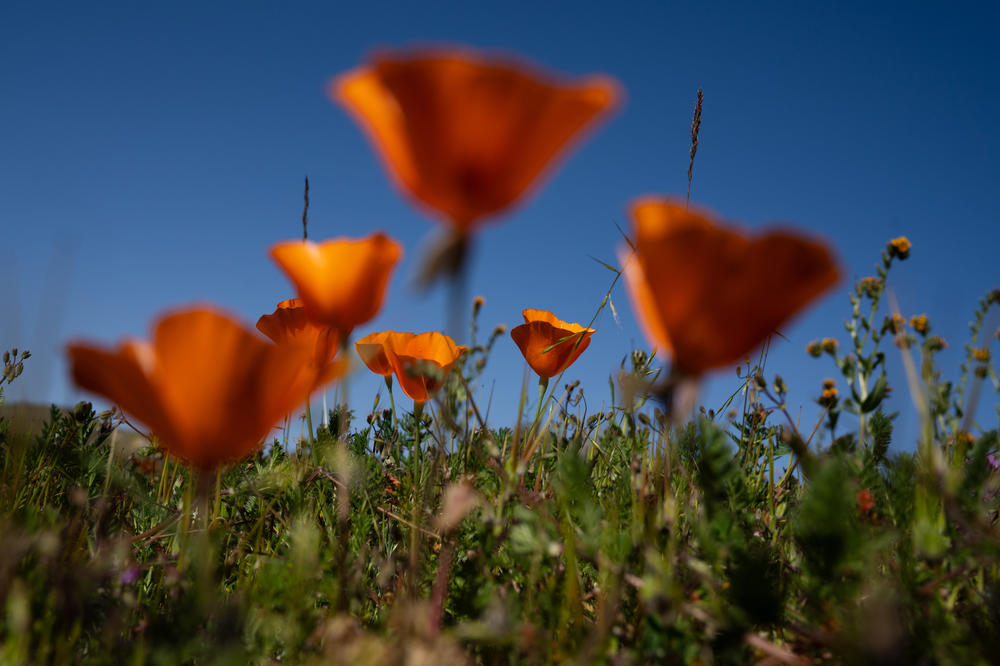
column 619, row 537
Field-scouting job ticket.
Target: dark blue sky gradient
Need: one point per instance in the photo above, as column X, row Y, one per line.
column 149, row 156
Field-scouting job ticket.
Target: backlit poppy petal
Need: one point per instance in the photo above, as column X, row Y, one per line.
column 122, row 376
column 711, row 294
column 548, row 344
column 341, row 282
column 421, row 362
column 643, row 302
column 467, row 135
column 208, row 388
column 373, row 349
column 289, row 324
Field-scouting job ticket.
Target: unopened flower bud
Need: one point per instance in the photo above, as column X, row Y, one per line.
column 870, row 287
column 935, row 343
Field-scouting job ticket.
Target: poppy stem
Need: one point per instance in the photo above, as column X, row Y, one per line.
column 459, row 292
column 194, row 515
column 343, row 420
column 309, row 421
column 217, row 497
column 418, row 415
column 543, row 385
column 392, row 401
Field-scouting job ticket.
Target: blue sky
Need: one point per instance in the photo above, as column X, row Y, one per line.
column 151, row 153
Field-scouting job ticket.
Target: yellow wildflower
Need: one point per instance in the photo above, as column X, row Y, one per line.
column 900, row 247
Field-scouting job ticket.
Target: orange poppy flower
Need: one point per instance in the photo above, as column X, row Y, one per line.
column 209, row 389
column 549, row 344
column 341, row 282
column 289, row 325
column 464, row 134
column 373, row 350
column 710, row 295
column 420, row 362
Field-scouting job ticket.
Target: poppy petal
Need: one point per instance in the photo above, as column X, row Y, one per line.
column 373, row 350
column 644, row 303
column 208, row 388
column 466, row 135
column 122, row 376
column 715, row 294
column 421, row 362
column 548, row 344
column 341, row 282
column 289, row 324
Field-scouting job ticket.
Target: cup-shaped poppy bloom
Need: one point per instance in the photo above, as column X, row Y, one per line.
column 373, row 350
column 549, row 344
column 341, row 282
column 420, row 362
column 466, row 134
column 708, row 294
column 209, row 389
column 289, row 325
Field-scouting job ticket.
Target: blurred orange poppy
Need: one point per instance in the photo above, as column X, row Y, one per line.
column 289, row 325
column 710, row 295
column 209, row 389
column 549, row 344
column 420, row 362
column 341, row 282
column 466, row 134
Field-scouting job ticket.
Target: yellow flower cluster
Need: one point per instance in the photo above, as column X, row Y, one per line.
column 900, row 247
column 870, row 287
column 830, row 393
column 817, row 347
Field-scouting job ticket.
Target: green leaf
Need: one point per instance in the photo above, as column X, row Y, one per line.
column 875, row 397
